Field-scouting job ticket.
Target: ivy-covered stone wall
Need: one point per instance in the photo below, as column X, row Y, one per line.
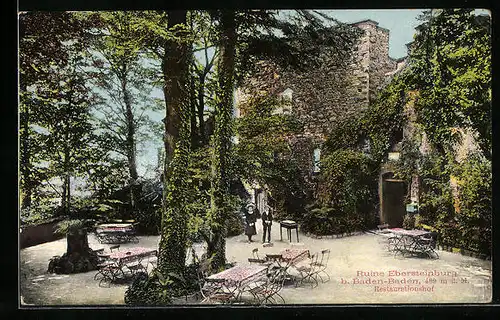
column 324, row 97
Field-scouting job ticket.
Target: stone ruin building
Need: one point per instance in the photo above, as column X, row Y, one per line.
column 323, row 97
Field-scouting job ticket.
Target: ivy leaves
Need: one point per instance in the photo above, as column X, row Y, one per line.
column 451, row 68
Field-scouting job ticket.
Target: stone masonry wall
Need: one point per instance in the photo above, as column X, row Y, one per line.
column 374, row 48
column 324, row 97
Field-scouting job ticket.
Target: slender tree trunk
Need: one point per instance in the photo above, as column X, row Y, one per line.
column 192, row 97
column 172, row 251
column 222, row 139
column 25, row 155
column 25, row 161
column 130, row 140
column 64, row 194
column 201, row 109
column 66, row 180
column 68, row 193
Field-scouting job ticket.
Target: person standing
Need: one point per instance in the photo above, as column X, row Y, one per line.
column 267, row 221
column 250, row 219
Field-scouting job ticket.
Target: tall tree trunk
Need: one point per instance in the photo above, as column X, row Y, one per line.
column 68, row 193
column 25, row 154
column 25, row 159
column 222, row 139
column 77, row 243
column 192, row 98
column 66, row 180
column 130, row 140
column 201, row 109
column 172, row 251
column 64, row 194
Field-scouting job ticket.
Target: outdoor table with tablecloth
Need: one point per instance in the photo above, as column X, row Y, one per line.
column 288, row 258
column 236, row 278
column 115, row 225
column 116, row 233
column 120, row 261
column 131, row 255
column 410, row 241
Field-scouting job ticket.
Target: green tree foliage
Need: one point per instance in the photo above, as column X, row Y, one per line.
column 298, row 39
column 384, row 119
column 474, row 217
column 203, row 79
column 68, row 141
column 44, row 42
column 346, row 195
column 451, row 68
column 264, row 153
column 125, row 78
column 56, row 134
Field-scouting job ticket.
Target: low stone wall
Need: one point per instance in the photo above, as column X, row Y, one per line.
column 331, row 236
column 464, row 252
column 33, row 235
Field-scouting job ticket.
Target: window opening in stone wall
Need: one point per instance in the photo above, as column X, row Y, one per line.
column 286, row 100
column 316, row 159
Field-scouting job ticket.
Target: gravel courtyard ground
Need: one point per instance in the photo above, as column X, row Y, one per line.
column 456, row 279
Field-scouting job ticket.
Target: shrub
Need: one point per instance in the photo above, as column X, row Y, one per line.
column 409, row 221
column 157, row 290
column 235, row 224
column 146, row 291
column 348, row 181
column 327, row 221
column 468, row 226
column 436, row 202
column 149, row 219
column 40, row 211
column 347, row 194
column 474, row 217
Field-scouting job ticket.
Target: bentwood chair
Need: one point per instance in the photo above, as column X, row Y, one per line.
column 323, row 264
column 108, row 272
column 269, row 290
column 309, row 271
column 211, row 290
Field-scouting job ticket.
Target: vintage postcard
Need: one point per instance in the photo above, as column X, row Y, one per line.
column 255, row 157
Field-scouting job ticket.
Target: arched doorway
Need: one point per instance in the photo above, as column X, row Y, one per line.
column 392, row 200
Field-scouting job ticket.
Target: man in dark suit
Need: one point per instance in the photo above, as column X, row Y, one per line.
column 267, row 221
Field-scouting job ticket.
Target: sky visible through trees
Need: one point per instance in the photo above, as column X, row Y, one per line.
column 400, row 22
